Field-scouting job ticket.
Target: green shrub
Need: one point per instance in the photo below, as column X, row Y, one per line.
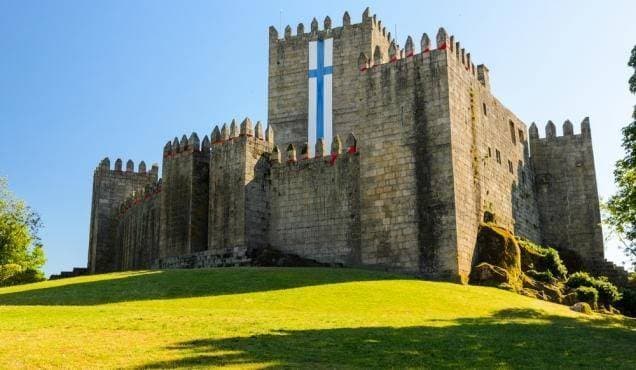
column 7, row 272
column 627, row 304
column 13, row 274
column 542, row 258
column 544, row 276
column 607, row 292
column 587, row 294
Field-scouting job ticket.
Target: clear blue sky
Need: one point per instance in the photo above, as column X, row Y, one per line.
column 81, row 80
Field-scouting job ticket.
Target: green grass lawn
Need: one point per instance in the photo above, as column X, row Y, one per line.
column 296, row 317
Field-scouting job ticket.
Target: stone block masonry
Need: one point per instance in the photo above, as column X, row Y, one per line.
column 428, row 153
column 315, row 204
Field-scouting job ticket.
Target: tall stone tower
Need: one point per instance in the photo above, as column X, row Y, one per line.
column 110, row 189
column 184, row 200
column 566, row 190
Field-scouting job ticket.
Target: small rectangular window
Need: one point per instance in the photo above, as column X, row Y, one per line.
column 483, row 105
column 489, row 153
column 498, row 155
column 512, row 132
column 510, row 168
column 521, row 139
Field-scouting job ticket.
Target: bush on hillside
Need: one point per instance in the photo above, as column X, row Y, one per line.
column 14, row 274
column 607, row 292
column 544, row 276
column 587, row 294
column 627, row 304
column 538, row 258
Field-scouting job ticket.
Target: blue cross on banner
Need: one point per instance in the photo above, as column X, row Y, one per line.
column 320, row 87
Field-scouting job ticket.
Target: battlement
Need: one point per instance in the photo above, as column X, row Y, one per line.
column 321, row 154
column 444, row 44
column 246, row 129
column 368, row 21
column 104, row 168
column 186, row 146
column 567, row 130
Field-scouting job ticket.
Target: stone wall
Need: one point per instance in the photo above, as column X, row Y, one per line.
column 110, row 189
column 184, row 204
column 491, row 166
column 138, row 230
column 407, row 204
column 315, row 207
column 566, row 190
column 204, row 259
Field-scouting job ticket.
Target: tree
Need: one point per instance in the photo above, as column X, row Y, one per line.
column 21, row 253
column 621, row 207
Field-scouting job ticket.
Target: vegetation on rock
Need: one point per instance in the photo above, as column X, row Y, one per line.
column 541, row 259
column 536, row 271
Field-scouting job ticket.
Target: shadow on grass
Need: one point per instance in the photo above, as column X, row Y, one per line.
column 510, row 338
column 169, row 284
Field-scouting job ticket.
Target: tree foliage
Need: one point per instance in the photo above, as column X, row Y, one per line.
column 21, row 253
column 621, row 207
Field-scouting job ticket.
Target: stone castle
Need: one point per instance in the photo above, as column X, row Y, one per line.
column 421, row 153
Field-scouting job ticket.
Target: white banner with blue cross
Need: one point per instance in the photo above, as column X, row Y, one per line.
column 320, row 87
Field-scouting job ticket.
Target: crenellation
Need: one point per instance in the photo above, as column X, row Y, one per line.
column 258, row 131
column 550, row 130
column 346, row 19
column 194, row 143
column 425, row 43
column 327, row 23
column 233, row 129
column 246, row 128
column 205, row 144
column 568, row 128
column 442, row 39
column 225, row 133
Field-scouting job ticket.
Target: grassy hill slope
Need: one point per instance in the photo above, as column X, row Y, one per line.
column 302, row 317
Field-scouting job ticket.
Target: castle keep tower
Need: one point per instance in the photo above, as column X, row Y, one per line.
column 382, row 157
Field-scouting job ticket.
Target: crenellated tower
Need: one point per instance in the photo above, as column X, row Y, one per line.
column 238, row 206
column 566, row 190
column 184, row 201
column 111, row 187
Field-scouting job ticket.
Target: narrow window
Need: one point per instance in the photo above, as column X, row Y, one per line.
column 510, row 168
column 489, row 153
column 498, row 155
column 483, row 105
column 512, row 132
column 521, row 139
